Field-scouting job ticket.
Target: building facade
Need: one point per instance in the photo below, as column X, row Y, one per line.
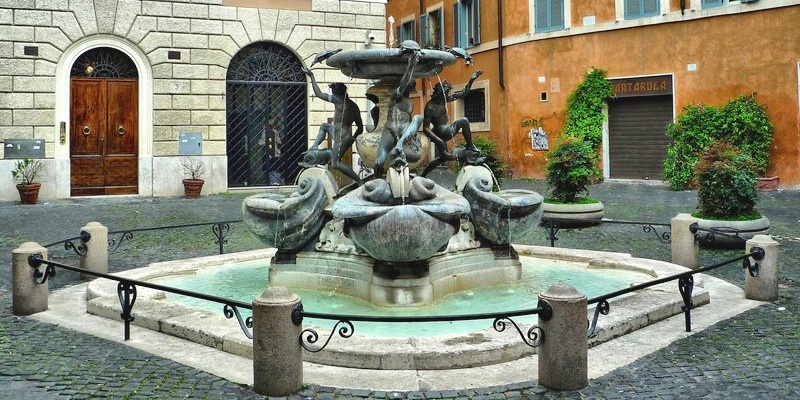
column 115, row 95
column 660, row 55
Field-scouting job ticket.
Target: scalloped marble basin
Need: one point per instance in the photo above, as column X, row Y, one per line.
column 388, row 63
column 286, row 221
column 401, row 233
column 504, row 216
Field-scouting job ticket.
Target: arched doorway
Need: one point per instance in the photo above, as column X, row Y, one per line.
column 103, row 123
column 267, row 129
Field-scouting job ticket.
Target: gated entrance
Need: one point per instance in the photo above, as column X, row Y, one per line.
column 104, row 124
column 267, row 127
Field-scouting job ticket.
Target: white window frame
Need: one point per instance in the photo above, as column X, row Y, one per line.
column 458, row 106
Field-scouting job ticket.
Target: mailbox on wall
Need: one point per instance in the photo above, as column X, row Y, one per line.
column 190, row 143
column 23, row 148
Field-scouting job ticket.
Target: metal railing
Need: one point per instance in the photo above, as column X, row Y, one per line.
column 220, row 229
column 69, row 244
column 554, row 225
column 126, row 292
column 533, row 337
column 685, row 286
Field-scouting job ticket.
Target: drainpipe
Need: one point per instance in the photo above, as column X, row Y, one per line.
column 683, row 6
column 500, row 43
column 422, row 11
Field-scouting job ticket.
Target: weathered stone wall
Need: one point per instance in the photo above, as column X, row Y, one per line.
column 188, row 94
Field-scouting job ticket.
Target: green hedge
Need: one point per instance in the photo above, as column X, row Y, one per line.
column 727, row 178
column 741, row 121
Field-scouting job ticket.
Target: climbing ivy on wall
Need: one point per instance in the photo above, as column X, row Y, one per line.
column 585, row 108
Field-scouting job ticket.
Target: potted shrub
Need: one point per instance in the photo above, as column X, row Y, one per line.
column 571, row 168
column 24, row 173
column 194, row 169
column 727, row 195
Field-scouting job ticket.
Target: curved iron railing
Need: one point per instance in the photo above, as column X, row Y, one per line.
column 126, row 291
column 553, row 225
column 69, row 244
column 220, row 229
column 533, row 337
column 685, row 285
column 710, row 235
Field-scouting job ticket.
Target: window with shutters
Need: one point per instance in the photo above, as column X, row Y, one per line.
column 718, row 3
column 466, row 23
column 407, row 30
column 641, row 8
column 549, row 15
column 432, row 25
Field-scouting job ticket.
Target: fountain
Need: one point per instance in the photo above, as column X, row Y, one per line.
column 393, row 241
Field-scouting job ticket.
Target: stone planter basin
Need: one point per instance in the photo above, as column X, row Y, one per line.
column 287, row 221
column 400, row 233
column 575, row 214
column 504, row 216
column 743, row 229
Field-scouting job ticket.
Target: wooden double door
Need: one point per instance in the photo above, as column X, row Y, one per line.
column 104, row 136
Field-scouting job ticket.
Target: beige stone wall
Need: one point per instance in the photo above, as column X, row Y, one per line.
column 187, row 94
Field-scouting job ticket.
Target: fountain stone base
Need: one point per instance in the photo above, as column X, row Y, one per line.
column 396, row 285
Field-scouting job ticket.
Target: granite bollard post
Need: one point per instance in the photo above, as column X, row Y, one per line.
column 684, row 248
column 763, row 287
column 277, row 354
column 564, row 353
column 96, row 257
column 28, row 297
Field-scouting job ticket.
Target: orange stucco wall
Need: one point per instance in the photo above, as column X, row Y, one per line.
column 734, row 54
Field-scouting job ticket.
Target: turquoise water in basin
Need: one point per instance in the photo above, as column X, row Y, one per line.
column 245, row 281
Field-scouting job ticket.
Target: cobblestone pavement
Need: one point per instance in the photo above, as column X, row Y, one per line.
column 753, row 355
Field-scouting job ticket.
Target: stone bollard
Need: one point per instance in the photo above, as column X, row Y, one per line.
column 763, row 287
column 28, row 297
column 277, row 354
column 564, row 353
column 684, row 248
column 96, row 257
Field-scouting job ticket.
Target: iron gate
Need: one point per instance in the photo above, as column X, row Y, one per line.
column 267, row 127
column 267, row 132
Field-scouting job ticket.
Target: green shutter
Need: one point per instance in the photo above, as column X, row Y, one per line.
column 476, row 22
column 425, row 26
column 712, row 3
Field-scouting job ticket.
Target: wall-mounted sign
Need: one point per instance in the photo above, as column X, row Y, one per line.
column 643, row 86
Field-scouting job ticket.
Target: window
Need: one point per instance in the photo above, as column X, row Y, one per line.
column 407, row 31
column 432, row 29
column 466, row 23
column 474, row 106
column 549, row 15
column 718, row 3
column 641, row 8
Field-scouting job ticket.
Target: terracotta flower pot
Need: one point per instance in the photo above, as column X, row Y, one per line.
column 29, row 194
column 192, row 188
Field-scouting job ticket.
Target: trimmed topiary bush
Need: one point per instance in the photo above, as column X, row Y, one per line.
column 571, row 167
column 726, row 177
